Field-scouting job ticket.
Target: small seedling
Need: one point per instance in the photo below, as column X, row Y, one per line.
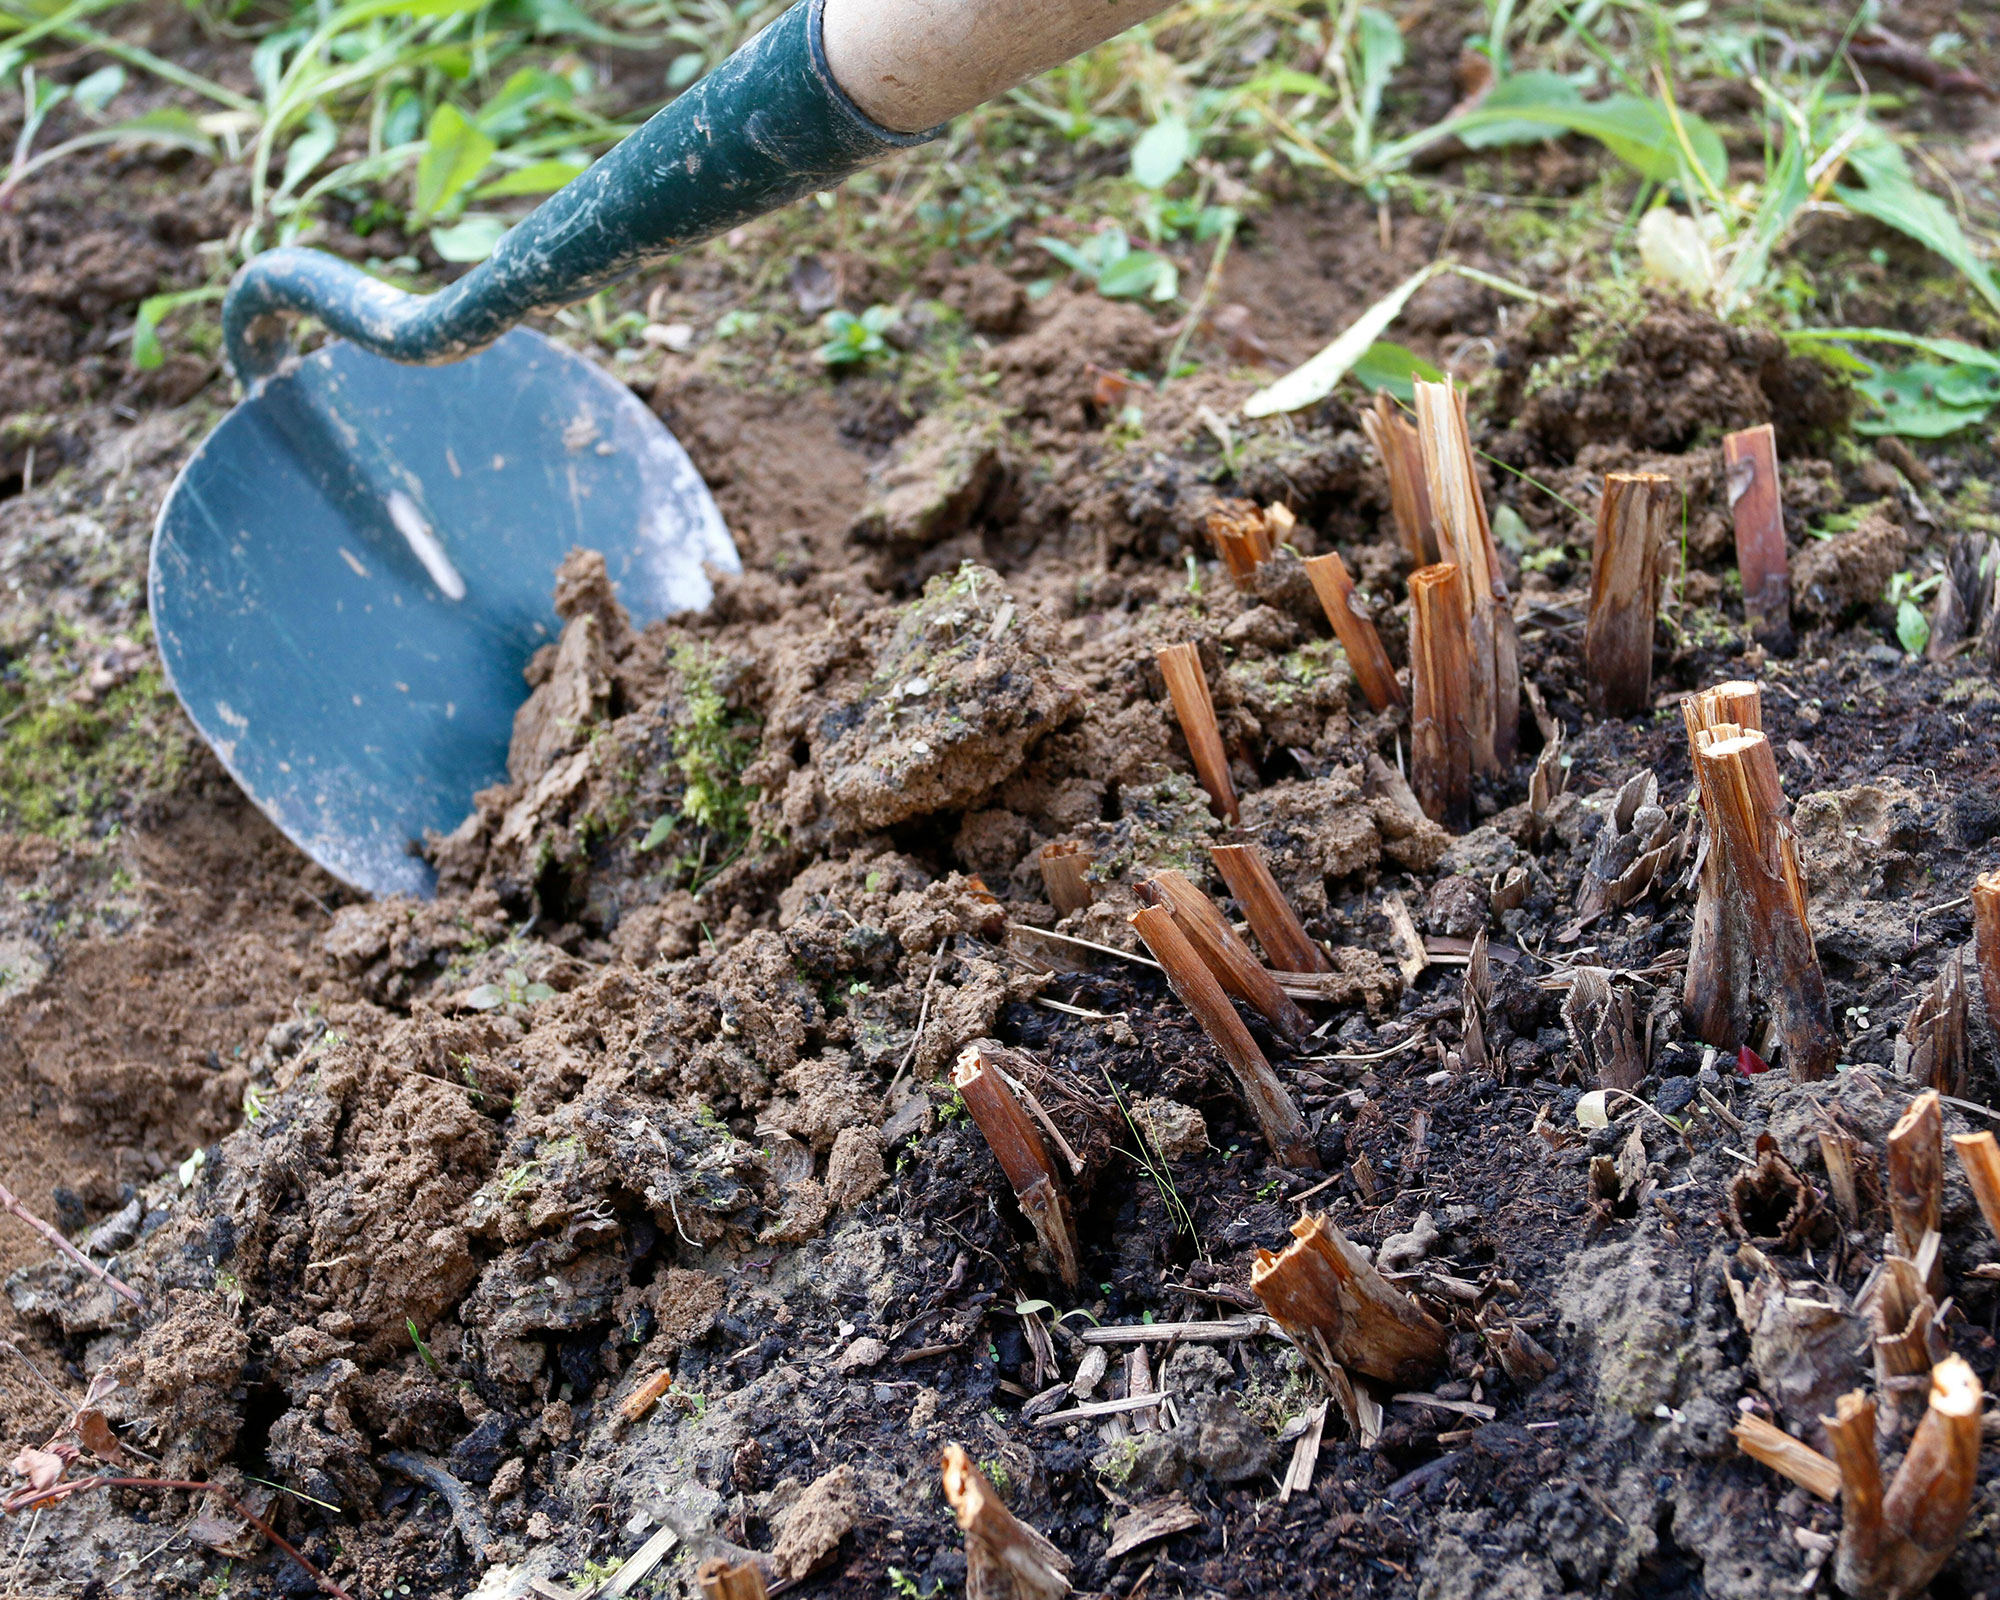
column 853, row 341
column 423, row 1349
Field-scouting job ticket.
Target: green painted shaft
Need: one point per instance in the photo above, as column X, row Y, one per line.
column 766, row 127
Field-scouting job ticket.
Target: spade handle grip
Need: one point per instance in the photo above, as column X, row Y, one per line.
column 825, row 90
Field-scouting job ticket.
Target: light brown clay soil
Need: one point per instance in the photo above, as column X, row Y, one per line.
column 473, row 1173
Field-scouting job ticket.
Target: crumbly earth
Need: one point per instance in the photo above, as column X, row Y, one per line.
column 622, row 1188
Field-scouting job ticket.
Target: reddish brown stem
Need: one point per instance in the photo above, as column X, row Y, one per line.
column 1226, row 955
column 1187, row 684
column 1356, row 631
column 1986, row 941
column 1286, row 943
column 1465, row 540
column 1395, row 441
column 1017, row 1145
column 10, row 1202
column 1764, row 891
column 1979, row 1154
column 1632, row 518
column 1188, row 976
column 1752, row 463
column 1440, row 745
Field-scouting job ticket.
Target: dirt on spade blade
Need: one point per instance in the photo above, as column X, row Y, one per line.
column 621, row 1187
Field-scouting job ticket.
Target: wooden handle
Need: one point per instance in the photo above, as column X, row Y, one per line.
column 912, row 64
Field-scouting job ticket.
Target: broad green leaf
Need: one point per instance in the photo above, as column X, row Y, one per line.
column 538, row 177
column 1968, row 386
column 1954, row 350
column 99, row 89
column 455, row 153
column 313, row 145
column 1893, row 199
column 471, row 238
column 1913, row 628
column 508, row 111
column 1908, row 403
column 1536, row 91
column 1638, row 132
column 659, row 833
column 1070, row 256
column 1289, row 80
column 147, row 352
column 1378, row 52
column 1132, row 275
column 1162, row 150
column 1393, row 367
column 1309, row 384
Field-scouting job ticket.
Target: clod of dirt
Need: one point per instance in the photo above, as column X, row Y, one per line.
column 1215, row 1439
column 1044, row 373
column 1171, row 1128
column 819, row 1519
column 950, row 694
column 1831, row 577
column 1659, row 380
column 181, row 1376
column 935, row 479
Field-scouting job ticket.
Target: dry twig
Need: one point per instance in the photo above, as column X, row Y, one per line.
column 10, row 1202
column 1180, row 665
column 1395, row 441
column 1632, row 518
column 1226, row 955
column 1017, row 1145
column 1465, row 540
column 1189, row 977
column 1356, row 631
column 1286, row 943
column 1440, row 737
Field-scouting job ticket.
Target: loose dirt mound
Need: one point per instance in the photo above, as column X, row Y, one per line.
column 620, row 1188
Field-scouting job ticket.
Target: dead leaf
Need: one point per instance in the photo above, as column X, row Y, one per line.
column 42, row 1468
column 98, row 1439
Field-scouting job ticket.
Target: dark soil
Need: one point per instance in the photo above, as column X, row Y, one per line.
column 456, row 1180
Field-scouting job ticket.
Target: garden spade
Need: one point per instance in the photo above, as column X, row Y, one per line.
column 350, row 573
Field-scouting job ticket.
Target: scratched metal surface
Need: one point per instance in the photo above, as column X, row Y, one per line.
column 351, row 572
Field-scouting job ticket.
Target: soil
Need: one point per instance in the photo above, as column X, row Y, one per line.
column 622, row 1188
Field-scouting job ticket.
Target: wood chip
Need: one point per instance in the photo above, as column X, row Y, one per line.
column 1153, row 1519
